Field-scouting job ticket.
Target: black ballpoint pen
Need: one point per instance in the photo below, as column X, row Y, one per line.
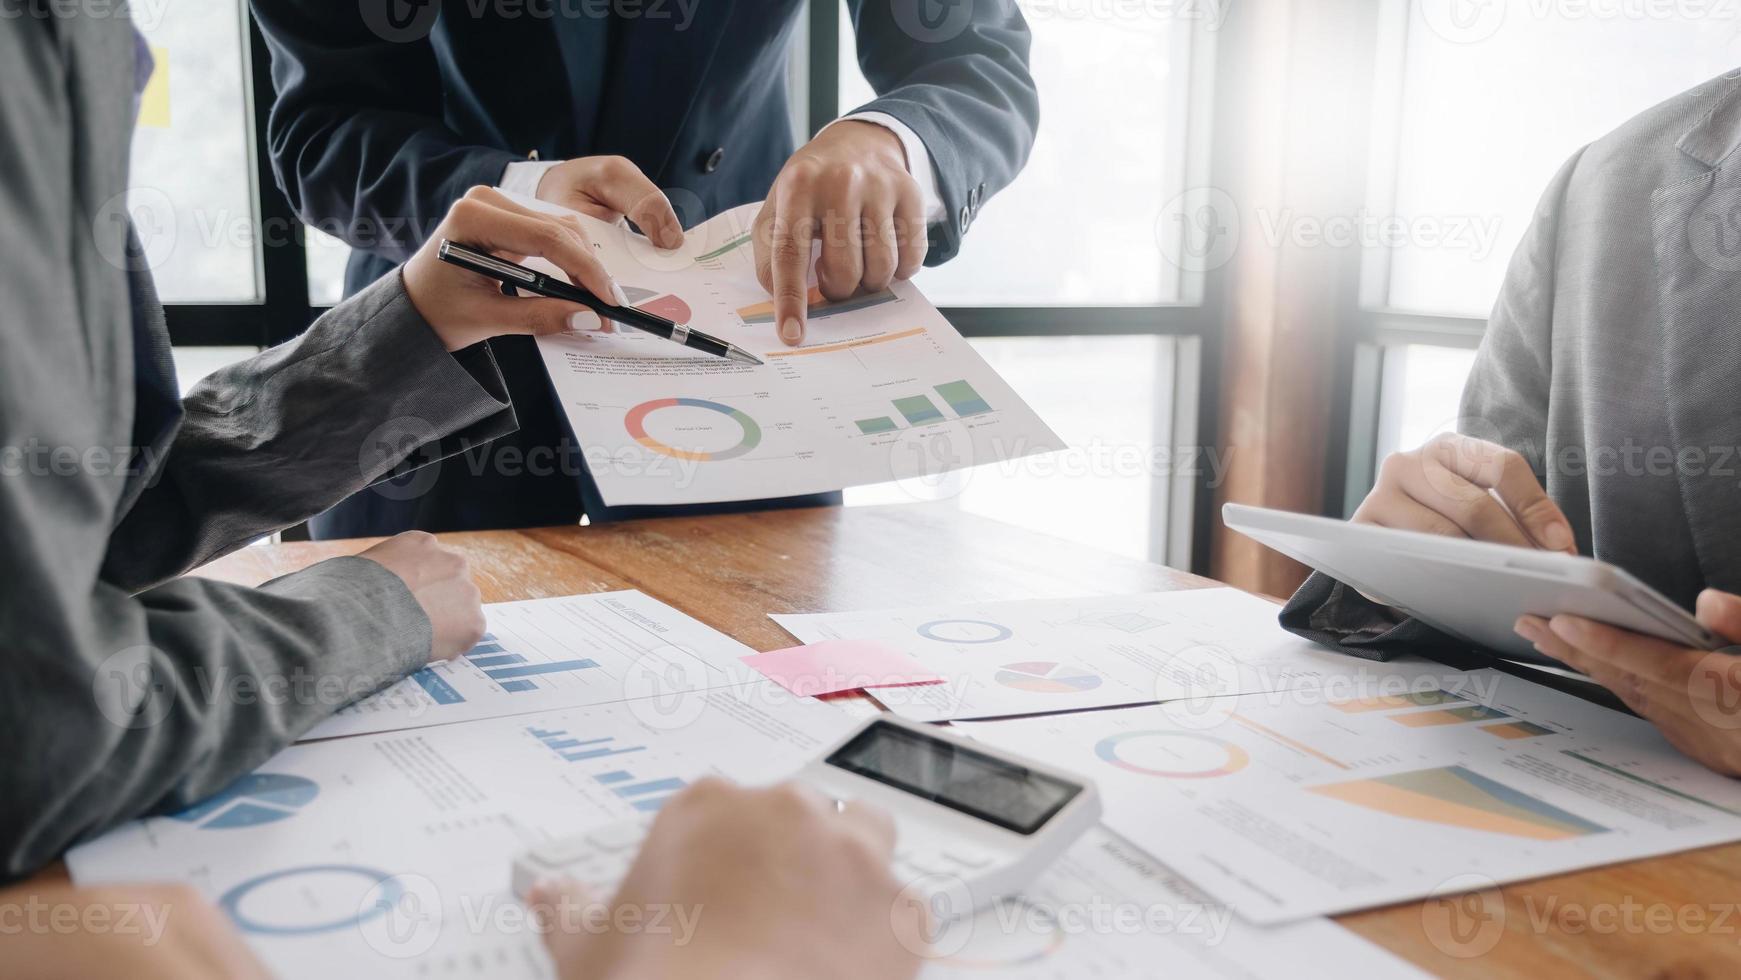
column 519, row 277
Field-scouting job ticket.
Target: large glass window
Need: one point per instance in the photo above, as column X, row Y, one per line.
column 191, row 190
column 1092, row 221
column 1479, row 106
column 1087, row 222
column 1490, row 112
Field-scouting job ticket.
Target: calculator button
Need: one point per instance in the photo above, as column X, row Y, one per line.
column 562, row 852
column 968, row 857
column 930, row 863
column 616, row 837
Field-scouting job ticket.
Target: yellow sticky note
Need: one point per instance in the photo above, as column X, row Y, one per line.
column 154, row 101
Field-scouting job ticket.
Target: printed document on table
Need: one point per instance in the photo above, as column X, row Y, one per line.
column 1317, row 801
column 388, row 855
column 1107, row 910
column 882, row 388
column 1025, row 657
column 540, row 654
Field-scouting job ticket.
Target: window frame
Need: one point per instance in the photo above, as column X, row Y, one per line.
column 282, row 310
column 1378, row 326
column 1187, row 513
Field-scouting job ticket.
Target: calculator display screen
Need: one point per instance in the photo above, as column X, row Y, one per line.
column 980, row 785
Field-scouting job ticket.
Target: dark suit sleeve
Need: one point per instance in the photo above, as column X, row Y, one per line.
column 356, row 133
column 961, row 83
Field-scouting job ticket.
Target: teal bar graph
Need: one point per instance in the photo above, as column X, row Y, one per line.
column 917, row 409
column 961, row 397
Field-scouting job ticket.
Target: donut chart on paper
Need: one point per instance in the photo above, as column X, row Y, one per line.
column 636, row 422
column 311, row 899
column 1172, row 754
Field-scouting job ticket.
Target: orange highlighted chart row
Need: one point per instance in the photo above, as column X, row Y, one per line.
column 817, row 306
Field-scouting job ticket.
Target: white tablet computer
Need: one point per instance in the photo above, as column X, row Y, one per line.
column 1471, row 589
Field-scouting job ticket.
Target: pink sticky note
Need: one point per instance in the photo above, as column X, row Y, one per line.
column 831, row 666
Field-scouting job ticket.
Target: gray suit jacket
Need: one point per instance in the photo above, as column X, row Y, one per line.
column 129, row 690
column 1612, row 361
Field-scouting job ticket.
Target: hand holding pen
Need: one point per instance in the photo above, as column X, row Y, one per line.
column 464, row 308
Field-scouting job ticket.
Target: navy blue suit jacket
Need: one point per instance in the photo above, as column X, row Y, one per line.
column 388, row 110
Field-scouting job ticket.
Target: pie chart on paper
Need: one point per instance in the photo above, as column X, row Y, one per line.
column 668, row 305
column 1045, row 677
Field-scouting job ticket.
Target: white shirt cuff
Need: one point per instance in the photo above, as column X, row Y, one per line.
column 918, row 160
column 522, row 176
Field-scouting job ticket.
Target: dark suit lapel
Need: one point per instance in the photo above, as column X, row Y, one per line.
column 659, row 55
column 1697, row 227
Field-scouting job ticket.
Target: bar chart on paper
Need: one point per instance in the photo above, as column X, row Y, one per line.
column 644, row 795
column 426, row 822
column 553, row 653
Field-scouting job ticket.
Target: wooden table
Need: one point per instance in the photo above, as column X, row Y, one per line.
column 730, row 572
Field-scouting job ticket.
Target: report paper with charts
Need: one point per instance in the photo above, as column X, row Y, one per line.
column 388, row 855
column 882, row 388
column 1038, row 656
column 1317, row 801
column 563, row 652
column 1109, row 911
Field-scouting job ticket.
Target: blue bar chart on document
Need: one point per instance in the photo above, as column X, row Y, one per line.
column 631, row 780
column 544, row 654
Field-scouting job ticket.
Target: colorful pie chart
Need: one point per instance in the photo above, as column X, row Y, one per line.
column 703, row 427
column 1043, row 677
column 668, row 305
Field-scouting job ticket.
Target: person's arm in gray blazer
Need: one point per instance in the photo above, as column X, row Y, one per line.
column 120, row 702
column 962, row 87
column 1505, row 401
column 367, row 392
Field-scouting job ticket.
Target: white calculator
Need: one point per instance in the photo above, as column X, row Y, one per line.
column 973, row 823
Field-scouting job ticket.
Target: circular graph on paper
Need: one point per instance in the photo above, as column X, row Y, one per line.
column 1172, row 755
column 964, row 631
column 693, row 429
column 310, row 899
column 995, row 948
column 668, row 305
column 1045, row 677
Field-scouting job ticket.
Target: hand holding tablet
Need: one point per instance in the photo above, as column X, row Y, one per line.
column 1476, row 590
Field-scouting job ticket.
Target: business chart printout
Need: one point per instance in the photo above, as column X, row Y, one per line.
column 1310, row 802
column 388, row 855
column 881, row 389
column 563, row 652
column 1041, row 656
